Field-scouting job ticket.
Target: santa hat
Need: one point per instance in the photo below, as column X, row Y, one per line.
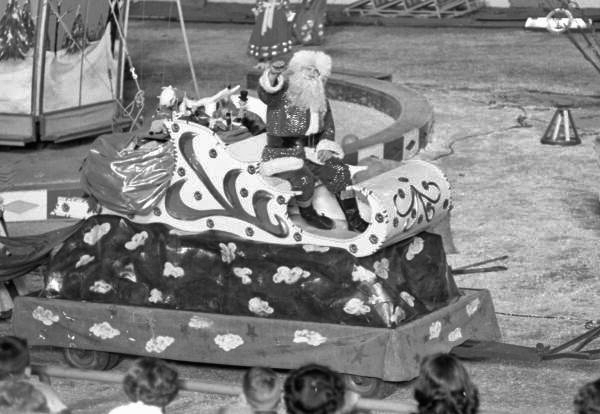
column 317, row 59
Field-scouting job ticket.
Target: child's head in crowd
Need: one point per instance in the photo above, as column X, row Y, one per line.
column 21, row 397
column 314, row 389
column 587, row 399
column 14, row 356
column 262, row 389
column 444, row 386
column 17, row 395
column 152, row 382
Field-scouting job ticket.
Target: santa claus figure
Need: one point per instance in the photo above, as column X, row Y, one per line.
column 301, row 133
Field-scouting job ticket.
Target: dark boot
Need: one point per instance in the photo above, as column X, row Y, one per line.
column 350, row 209
column 310, row 215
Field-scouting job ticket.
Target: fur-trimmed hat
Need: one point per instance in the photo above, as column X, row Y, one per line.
column 14, row 355
column 314, row 58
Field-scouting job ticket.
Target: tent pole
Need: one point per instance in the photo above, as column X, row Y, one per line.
column 39, row 60
column 187, row 47
column 122, row 50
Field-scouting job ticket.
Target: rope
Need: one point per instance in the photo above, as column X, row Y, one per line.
column 81, row 62
column 139, row 98
column 60, row 20
column 124, row 45
column 164, row 64
column 588, row 324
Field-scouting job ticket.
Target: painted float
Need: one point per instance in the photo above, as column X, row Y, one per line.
column 217, row 267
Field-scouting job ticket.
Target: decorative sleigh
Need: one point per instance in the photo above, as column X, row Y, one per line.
column 219, row 186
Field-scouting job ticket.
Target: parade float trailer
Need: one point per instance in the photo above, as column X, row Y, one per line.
column 94, row 335
column 218, row 268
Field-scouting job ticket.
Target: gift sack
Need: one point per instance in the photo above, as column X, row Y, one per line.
column 128, row 173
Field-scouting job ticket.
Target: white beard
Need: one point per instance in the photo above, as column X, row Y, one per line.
column 306, row 93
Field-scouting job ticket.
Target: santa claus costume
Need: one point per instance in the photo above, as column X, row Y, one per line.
column 272, row 34
column 301, row 135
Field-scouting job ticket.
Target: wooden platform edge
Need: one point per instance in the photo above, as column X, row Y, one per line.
column 389, row 354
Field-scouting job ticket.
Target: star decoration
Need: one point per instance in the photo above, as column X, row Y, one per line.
column 261, row 353
column 359, row 355
column 251, row 332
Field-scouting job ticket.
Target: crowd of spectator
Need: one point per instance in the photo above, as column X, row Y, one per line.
column 442, row 387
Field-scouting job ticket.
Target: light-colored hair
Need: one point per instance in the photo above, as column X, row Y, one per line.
column 306, row 93
column 262, row 388
column 317, row 59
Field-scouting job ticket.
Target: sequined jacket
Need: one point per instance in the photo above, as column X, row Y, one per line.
column 286, row 120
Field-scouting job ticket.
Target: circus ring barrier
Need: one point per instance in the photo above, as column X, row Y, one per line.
column 94, row 334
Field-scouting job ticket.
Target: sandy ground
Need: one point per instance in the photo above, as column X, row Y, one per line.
column 512, row 196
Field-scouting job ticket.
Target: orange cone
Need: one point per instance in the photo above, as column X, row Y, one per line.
column 561, row 130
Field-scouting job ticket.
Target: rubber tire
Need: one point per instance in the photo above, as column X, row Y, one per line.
column 88, row 359
column 369, row 387
column 114, row 360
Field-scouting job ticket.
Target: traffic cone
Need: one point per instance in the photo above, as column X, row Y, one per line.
column 561, row 130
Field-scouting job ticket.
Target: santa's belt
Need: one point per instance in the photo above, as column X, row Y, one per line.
column 290, row 142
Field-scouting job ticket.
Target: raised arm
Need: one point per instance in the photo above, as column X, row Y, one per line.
column 271, row 84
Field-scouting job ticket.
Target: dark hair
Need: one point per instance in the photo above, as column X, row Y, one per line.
column 21, row 397
column 587, row 399
column 14, row 355
column 151, row 381
column 444, row 387
column 313, row 389
column 261, row 388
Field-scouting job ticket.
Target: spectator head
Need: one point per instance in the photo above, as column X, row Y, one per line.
column 21, row 397
column 444, row 386
column 587, row 399
column 313, row 389
column 14, row 356
column 261, row 388
column 152, row 382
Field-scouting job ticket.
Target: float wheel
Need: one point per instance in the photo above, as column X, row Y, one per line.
column 369, row 387
column 88, row 359
column 114, row 360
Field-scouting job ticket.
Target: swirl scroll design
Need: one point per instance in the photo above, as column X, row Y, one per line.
column 232, row 206
column 416, row 204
